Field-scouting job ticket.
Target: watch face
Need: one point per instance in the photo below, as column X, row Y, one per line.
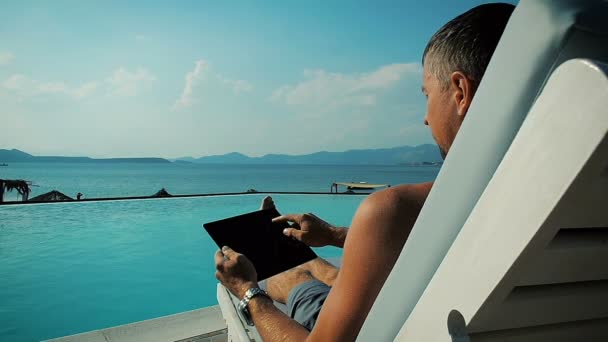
column 244, row 313
column 252, row 292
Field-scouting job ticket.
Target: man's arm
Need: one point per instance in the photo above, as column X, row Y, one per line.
column 237, row 274
column 377, row 235
column 273, row 324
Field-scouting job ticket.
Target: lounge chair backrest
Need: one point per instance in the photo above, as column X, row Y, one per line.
column 530, row 262
column 541, row 35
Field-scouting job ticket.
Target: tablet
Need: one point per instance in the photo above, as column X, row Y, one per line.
column 261, row 241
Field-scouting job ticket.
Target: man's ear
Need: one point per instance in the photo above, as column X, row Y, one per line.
column 463, row 92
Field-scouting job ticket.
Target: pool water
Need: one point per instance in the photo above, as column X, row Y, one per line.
column 68, row 268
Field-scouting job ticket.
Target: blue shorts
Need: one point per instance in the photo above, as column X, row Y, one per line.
column 305, row 302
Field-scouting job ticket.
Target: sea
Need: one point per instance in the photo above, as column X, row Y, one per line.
column 67, row 268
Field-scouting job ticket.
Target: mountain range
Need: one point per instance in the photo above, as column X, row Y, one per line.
column 426, row 153
column 416, row 155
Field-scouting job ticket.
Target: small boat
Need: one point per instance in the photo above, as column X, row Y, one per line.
column 351, row 186
column 3, row 164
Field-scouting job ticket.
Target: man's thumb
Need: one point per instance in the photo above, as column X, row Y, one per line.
column 295, row 233
column 227, row 251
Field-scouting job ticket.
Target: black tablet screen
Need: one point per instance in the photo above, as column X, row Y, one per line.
column 260, row 240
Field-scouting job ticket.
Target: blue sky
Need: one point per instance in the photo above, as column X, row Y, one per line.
column 194, row 78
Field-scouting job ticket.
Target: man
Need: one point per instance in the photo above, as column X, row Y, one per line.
column 454, row 62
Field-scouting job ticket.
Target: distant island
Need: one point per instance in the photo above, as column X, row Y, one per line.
column 421, row 155
column 14, row 155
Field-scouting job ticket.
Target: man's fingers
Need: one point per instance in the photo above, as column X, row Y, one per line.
column 229, row 253
column 287, row 218
column 292, row 232
column 219, row 258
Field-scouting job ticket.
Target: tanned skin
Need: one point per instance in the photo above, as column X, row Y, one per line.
column 367, row 258
column 374, row 241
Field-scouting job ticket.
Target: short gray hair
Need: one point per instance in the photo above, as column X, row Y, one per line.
column 466, row 43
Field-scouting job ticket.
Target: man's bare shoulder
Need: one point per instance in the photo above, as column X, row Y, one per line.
column 396, row 198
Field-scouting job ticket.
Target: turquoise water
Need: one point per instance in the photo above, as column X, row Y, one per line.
column 67, row 268
column 73, row 267
column 128, row 179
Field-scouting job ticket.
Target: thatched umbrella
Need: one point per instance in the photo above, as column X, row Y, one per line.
column 51, row 196
column 162, row 193
column 22, row 186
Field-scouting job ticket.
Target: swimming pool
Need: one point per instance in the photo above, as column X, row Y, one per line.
column 73, row 267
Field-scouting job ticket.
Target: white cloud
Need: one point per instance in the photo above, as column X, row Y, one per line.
column 141, row 37
column 238, row 86
column 366, row 107
column 322, row 88
column 202, row 76
column 192, row 78
column 24, row 86
column 6, row 58
column 129, row 83
column 121, row 82
column 85, row 89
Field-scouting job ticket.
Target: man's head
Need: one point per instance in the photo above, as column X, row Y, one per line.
column 454, row 61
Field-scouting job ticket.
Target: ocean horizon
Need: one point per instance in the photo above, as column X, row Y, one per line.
column 98, row 180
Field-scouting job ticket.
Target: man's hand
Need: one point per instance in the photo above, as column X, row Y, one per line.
column 312, row 230
column 235, row 271
column 238, row 275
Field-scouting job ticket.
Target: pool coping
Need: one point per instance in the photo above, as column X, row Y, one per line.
column 201, row 325
column 220, row 194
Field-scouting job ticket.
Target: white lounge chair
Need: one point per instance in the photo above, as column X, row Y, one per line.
column 540, row 36
column 530, row 262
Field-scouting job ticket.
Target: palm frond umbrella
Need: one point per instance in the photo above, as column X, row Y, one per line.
column 8, row 185
column 162, row 193
column 51, row 196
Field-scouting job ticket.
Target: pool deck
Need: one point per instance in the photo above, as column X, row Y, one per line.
column 201, row 325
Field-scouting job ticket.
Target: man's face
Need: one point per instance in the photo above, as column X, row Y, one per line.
column 441, row 112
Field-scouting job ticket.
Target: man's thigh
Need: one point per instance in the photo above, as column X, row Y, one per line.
column 280, row 285
column 322, row 270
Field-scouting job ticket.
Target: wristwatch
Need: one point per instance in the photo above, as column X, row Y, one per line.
column 243, row 308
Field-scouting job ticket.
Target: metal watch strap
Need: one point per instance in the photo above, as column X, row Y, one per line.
column 243, row 306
